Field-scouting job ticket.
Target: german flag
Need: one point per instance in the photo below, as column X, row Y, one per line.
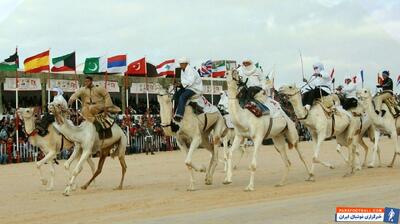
column 37, row 63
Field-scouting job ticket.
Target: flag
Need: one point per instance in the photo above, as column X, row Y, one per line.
column 95, row 65
column 11, row 63
column 206, row 69
column 64, row 63
column 354, row 79
column 37, row 63
column 219, row 69
column 116, row 64
column 362, row 76
column 398, row 80
column 166, row 68
column 137, row 67
column 380, row 79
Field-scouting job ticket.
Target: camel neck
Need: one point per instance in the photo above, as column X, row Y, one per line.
column 298, row 107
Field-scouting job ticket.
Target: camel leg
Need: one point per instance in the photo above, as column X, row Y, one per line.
column 280, row 146
column 213, row 163
column 39, row 165
column 317, row 146
column 253, row 165
column 376, row 151
column 91, row 165
column 225, row 143
column 123, row 170
column 340, row 151
column 352, row 158
column 242, row 151
column 75, row 154
column 85, row 155
column 100, row 165
column 397, row 150
column 52, row 174
column 235, row 145
column 365, row 147
column 296, row 146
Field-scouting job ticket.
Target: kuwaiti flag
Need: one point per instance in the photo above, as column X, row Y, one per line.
column 219, row 69
column 95, row 65
column 116, row 64
column 64, row 63
column 137, row 67
column 166, row 68
column 37, row 63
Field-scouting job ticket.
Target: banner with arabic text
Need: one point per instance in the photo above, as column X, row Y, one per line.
column 24, row 84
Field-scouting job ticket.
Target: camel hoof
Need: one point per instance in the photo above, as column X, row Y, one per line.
column 66, row 193
column 279, row 185
column 348, row 175
column 358, row 168
column 203, row 169
column 249, row 189
column 235, row 167
column 50, row 189
column 44, row 182
column 208, row 182
column 118, row 188
column 226, row 182
column 311, row 178
column 331, row 167
column 191, row 189
column 84, row 187
column 371, row 166
column 390, row 166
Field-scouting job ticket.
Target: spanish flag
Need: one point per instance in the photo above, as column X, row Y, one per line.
column 37, row 63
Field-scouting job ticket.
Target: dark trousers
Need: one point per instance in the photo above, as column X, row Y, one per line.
column 310, row 96
column 182, row 96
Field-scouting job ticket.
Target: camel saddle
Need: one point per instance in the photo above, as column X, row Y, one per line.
column 393, row 106
column 103, row 123
column 327, row 103
column 43, row 124
column 201, row 105
column 247, row 100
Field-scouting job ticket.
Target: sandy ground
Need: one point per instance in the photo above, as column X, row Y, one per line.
column 155, row 191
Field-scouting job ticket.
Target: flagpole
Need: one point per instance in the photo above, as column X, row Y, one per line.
column 212, row 90
column 302, row 65
column 16, row 101
column 127, row 106
column 48, row 81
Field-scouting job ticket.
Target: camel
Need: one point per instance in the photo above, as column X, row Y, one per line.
column 50, row 145
column 87, row 137
column 279, row 128
column 386, row 124
column 194, row 131
column 322, row 126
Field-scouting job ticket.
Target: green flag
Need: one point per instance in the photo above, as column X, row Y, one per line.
column 95, row 65
column 10, row 64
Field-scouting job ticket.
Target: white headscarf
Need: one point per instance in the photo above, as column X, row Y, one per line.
column 58, row 90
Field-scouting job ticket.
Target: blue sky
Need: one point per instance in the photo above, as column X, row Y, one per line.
column 347, row 35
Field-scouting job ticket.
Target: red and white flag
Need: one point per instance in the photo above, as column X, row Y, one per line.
column 166, row 68
column 137, row 67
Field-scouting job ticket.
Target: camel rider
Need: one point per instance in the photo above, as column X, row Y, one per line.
column 191, row 84
column 95, row 99
column 253, row 78
column 48, row 118
column 349, row 92
column 319, row 85
column 387, row 85
column 223, row 103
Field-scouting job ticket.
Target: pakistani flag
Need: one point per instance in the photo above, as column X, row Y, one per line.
column 64, row 63
column 10, row 64
column 95, row 65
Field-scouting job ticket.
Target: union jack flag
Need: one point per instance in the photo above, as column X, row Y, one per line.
column 206, row 69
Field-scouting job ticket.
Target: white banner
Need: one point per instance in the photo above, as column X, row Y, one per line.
column 141, row 88
column 24, row 84
column 112, row 86
column 65, row 85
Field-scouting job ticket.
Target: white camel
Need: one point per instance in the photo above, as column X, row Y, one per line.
column 194, row 131
column 87, row 137
column 280, row 128
column 51, row 144
column 321, row 125
column 386, row 124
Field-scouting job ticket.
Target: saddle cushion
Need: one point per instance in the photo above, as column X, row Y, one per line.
column 197, row 102
column 103, row 124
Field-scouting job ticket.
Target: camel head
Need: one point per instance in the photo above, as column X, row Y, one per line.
column 59, row 111
column 232, row 80
column 364, row 94
column 27, row 113
column 289, row 90
column 165, row 101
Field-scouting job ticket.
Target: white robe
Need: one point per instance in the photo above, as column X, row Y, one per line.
column 223, row 102
column 190, row 79
column 59, row 100
column 323, row 81
column 350, row 90
column 252, row 75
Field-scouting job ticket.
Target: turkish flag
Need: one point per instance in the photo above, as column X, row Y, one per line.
column 137, row 67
